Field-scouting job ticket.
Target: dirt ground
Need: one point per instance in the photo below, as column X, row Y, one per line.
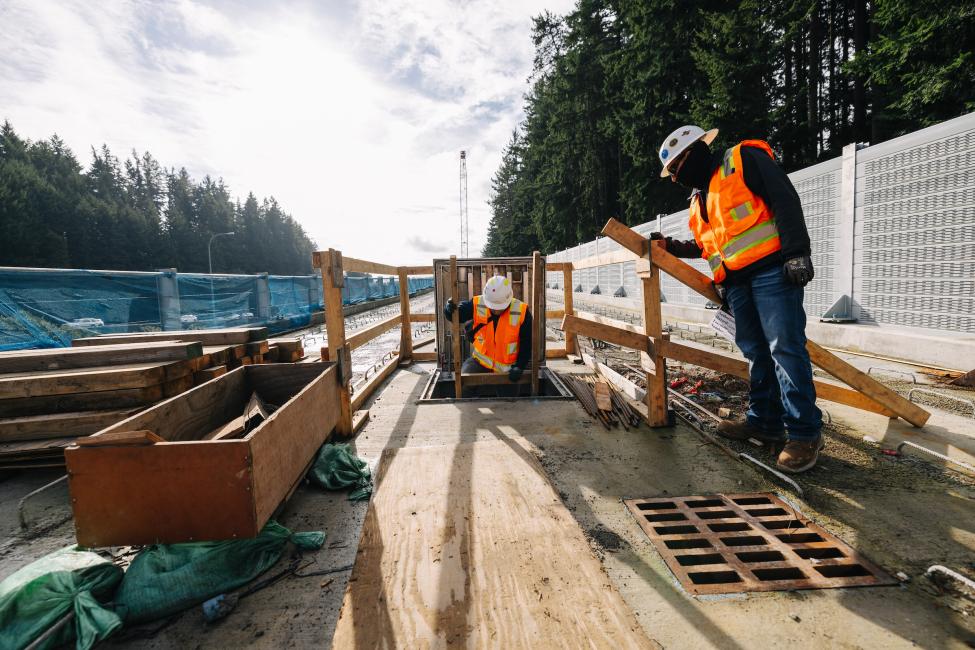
column 903, row 513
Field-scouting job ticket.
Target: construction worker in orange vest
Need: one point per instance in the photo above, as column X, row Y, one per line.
column 499, row 327
column 748, row 224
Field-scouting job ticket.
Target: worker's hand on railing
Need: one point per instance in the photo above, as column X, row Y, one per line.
column 659, row 236
column 515, row 373
column 449, row 309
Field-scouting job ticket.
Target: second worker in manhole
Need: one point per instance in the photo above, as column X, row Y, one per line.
column 748, row 224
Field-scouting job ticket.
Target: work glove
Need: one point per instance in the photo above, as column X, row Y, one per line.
column 515, row 373
column 659, row 236
column 799, row 270
column 449, row 309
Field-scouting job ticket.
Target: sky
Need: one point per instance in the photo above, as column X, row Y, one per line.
column 350, row 113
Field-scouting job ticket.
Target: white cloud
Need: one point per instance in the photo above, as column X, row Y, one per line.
column 351, row 116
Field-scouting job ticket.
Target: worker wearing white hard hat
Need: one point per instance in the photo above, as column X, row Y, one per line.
column 748, row 225
column 499, row 327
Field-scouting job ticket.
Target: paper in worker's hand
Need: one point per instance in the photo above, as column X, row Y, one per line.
column 724, row 324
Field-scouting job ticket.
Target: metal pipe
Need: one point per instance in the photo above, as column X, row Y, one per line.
column 935, row 454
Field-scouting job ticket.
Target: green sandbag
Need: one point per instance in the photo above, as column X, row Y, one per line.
column 36, row 597
column 337, row 468
column 167, row 578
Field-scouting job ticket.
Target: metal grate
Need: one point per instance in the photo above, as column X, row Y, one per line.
column 731, row 543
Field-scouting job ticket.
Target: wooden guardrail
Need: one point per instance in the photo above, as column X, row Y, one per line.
column 864, row 392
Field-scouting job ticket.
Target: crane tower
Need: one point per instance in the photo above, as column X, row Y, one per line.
column 464, row 226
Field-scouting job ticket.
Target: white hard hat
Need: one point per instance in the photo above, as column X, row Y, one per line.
column 497, row 292
column 679, row 140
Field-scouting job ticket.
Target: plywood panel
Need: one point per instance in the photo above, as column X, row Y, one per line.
column 479, row 553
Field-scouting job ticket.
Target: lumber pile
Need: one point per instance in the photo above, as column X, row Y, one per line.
column 51, row 398
column 601, row 400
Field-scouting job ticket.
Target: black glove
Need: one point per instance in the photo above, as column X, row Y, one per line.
column 799, row 270
column 449, row 309
column 515, row 373
column 659, row 236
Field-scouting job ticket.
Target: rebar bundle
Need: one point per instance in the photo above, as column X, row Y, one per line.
column 584, row 388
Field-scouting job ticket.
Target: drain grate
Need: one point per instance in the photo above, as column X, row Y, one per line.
column 730, row 543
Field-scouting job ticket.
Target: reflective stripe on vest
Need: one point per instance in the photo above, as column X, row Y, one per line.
column 496, row 344
column 714, row 262
column 758, row 234
column 490, row 363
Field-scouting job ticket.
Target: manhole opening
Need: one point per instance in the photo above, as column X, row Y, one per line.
column 749, row 542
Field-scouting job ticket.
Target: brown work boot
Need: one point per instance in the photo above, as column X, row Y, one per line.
column 742, row 429
column 800, row 455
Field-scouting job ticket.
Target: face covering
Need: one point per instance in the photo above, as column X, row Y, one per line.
column 696, row 171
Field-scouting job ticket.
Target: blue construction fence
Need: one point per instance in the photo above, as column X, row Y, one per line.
column 42, row 308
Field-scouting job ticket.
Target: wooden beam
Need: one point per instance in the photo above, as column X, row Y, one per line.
column 657, row 412
column 361, row 336
column 455, row 327
column 626, row 237
column 90, row 380
column 538, row 302
column 555, row 353
column 425, row 356
column 554, row 313
column 492, row 379
column 608, row 333
column 120, row 438
column 616, row 257
column 367, row 388
column 568, row 309
column 226, row 336
column 332, row 277
column 406, row 333
column 59, row 425
column 867, row 385
column 557, row 266
column 98, row 355
column 416, row 270
column 739, row 368
column 353, row 265
column 684, row 272
column 422, row 318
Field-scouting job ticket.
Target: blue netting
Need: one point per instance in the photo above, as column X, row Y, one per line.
column 50, row 307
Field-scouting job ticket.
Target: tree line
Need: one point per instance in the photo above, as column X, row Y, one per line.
column 613, row 77
column 133, row 214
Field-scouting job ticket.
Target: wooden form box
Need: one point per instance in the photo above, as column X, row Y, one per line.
column 188, row 489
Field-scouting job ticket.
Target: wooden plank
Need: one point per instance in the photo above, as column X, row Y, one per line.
column 538, row 309
column 335, row 327
column 425, row 356
column 604, row 402
column 287, row 343
column 233, row 429
column 103, row 355
column 363, row 335
column 225, row 336
column 495, row 559
column 739, row 368
column 626, row 237
column 353, row 265
column 103, row 400
column 867, row 385
column 58, row 425
column 554, row 313
column 255, row 348
column 406, row 332
column 684, row 273
column 284, row 445
column 455, row 326
column 568, row 309
column 364, row 390
column 555, row 353
column 417, row 270
column 422, row 318
column 557, row 266
column 610, row 334
column 616, row 257
column 88, row 380
column 120, row 438
column 656, row 399
column 492, row 379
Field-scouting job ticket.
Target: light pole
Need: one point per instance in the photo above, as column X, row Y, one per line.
column 213, row 303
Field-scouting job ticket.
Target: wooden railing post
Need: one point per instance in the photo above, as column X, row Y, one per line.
column 570, row 338
column 657, row 415
column 455, row 328
column 538, row 316
column 406, row 331
column 333, row 279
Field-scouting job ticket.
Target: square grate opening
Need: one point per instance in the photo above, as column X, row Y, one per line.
column 732, row 543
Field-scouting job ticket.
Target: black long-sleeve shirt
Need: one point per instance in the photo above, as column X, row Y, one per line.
column 768, row 180
column 466, row 310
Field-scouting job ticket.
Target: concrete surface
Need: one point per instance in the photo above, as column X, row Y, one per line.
column 904, row 516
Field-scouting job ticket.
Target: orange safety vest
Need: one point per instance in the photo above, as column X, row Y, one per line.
column 740, row 228
column 497, row 350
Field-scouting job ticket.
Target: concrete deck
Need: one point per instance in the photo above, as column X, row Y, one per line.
column 905, row 516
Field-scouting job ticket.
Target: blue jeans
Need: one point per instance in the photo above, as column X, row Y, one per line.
column 770, row 329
